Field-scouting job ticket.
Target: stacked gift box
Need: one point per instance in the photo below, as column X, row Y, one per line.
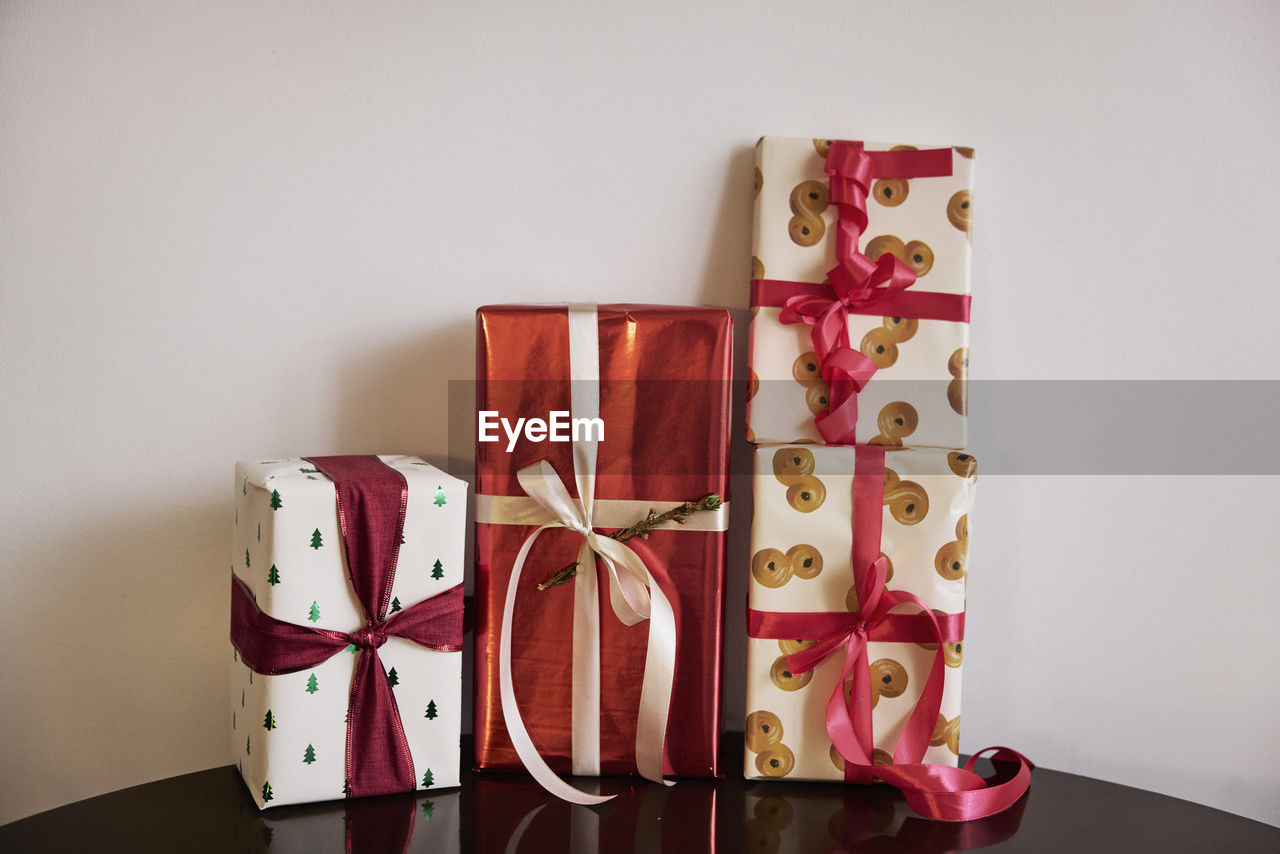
column 863, row 487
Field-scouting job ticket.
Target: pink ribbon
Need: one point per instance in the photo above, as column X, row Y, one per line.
column 858, row 285
column 934, row 791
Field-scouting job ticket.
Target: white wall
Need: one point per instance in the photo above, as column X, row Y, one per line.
column 237, row 229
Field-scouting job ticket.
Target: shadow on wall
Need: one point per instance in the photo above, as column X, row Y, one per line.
column 726, row 282
column 126, row 611
column 416, row 396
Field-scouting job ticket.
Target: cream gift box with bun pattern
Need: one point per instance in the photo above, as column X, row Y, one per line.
column 917, row 395
column 801, row 542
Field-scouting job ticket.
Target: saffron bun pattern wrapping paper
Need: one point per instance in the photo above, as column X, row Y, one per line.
column 287, row 550
column 801, row 540
column 917, row 397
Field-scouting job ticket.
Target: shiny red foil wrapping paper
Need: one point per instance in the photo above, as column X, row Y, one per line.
column 665, row 377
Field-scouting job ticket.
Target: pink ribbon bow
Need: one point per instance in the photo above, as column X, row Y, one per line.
column 858, row 282
column 852, row 736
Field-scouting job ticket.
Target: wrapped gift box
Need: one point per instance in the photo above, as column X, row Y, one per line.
column 803, row 541
column 520, row 816
column 289, row 731
column 917, row 394
column 664, row 391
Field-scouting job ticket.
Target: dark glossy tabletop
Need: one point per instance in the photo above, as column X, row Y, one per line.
column 211, row 811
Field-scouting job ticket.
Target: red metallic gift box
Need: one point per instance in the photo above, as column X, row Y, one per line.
column 664, row 388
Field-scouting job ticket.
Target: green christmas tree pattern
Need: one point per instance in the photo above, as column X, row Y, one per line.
column 428, row 779
column 314, row 615
column 247, row 750
column 437, row 570
column 269, row 722
column 233, row 719
column 309, row 471
column 439, row 499
column 266, row 792
column 244, row 487
column 242, row 698
column 313, row 684
column 276, row 503
column 259, row 532
column 431, row 711
column 316, row 541
column 428, row 808
column 393, row 678
column 246, row 558
column 395, row 605
column 273, row 575
column 310, row 755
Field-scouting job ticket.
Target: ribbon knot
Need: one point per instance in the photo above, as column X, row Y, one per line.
column 629, row 590
column 852, row 633
column 370, row 637
column 860, row 282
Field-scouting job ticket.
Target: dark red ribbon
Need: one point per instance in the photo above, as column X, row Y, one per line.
column 858, row 285
column 372, row 498
column 934, row 791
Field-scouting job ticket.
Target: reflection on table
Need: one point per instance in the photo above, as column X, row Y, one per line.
column 515, row 816
column 790, row 818
column 396, row 824
column 211, row 811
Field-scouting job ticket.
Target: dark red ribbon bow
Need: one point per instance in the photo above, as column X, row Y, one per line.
column 372, row 498
column 934, row 791
column 857, row 284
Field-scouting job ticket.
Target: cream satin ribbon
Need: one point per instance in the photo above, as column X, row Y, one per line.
column 633, row 592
